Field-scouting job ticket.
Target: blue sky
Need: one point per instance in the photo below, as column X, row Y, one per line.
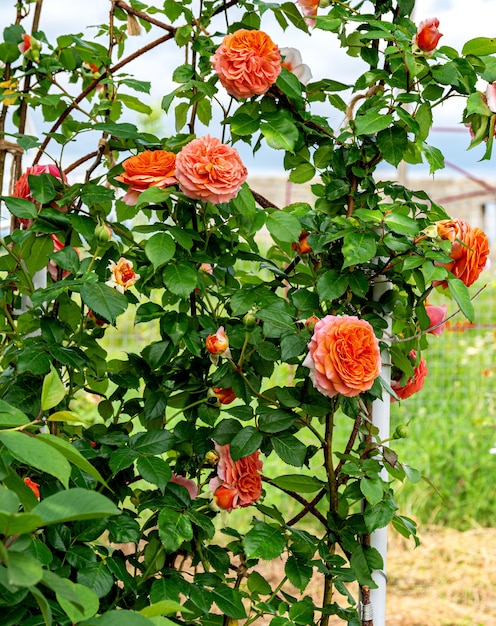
column 459, row 21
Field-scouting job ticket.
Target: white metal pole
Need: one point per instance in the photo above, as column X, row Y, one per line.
column 381, row 419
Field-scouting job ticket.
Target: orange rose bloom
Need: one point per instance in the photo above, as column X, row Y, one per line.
column 414, row 383
column 302, row 246
column 219, row 343
column 224, row 395
column 247, row 62
column 343, row 356
column 209, row 170
column 427, row 36
column 238, row 483
column 123, row 275
column 469, row 250
column 151, row 168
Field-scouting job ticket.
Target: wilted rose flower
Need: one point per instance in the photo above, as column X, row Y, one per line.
column 469, row 250
column 225, row 395
column 247, row 63
column 343, row 356
column 414, row 383
column 437, row 315
column 150, row 168
column 33, row 486
column 293, row 63
column 218, row 345
column 238, row 483
column 123, row 275
column 302, row 246
column 187, row 483
column 309, row 9
column 209, row 170
column 427, row 36
column 491, row 96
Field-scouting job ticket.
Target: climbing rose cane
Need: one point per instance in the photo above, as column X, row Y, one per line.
column 209, row 170
column 428, row 35
column 151, row 168
column 469, row 250
column 238, row 483
column 343, row 356
column 414, row 383
column 247, row 63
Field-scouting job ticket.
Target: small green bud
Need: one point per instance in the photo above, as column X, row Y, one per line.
column 401, row 432
column 250, row 321
column 103, row 234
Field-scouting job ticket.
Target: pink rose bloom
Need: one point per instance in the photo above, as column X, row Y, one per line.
column 414, row 383
column 491, row 96
column 247, row 63
column 209, row 170
column 343, row 356
column 309, row 9
column 437, row 315
column 187, row 483
column 293, row 63
column 427, row 36
column 238, row 483
column 22, row 190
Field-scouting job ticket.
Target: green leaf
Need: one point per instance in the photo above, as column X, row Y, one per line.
column 280, row 132
column 480, row 46
column 298, row 483
column 392, row 142
column 372, row 490
column 264, row 541
column 103, row 300
column 174, row 529
column 42, row 187
column 73, row 455
column 87, row 605
column 362, row 569
column 379, row 516
column 155, row 470
column 461, row 294
column 23, row 570
column 243, row 124
column 229, row 601
column 402, row 224
column 74, row 505
column 36, row 453
column 131, row 102
column 10, row 416
column 332, row 285
column 283, row 226
column 358, row 248
column 160, row 248
column 119, row 618
column 180, row 279
column 97, row 577
column 289, row 449
column 275, row 420
column 20, row 207
column 164, row 607
column 18, row 523
column 245, row 442
column 53, row 390
column 289, row 84
column 372, row 122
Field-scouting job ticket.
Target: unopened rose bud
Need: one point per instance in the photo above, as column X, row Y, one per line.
column 103, row 234
column 249, row 321
column 401, row 432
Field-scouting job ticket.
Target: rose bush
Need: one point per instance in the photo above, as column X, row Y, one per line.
column 248, row 368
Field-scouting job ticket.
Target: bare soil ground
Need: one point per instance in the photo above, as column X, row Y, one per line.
column 449, row 580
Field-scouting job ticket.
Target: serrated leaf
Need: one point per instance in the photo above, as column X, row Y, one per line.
column 180, row 279
column 283, row 226
column 154, row 470
column 289, row 449
column 23, row 570
column 160, row 248
column 103, row 300
column 164, row 607
column 229, row 602
column 280, row 132
column 480, row 46
column 20, row 207
column 402, row 224
column 372, row 122
column 358, row 248
column 174, row 529
column 245, row 442
column 332, row 285
column 264, row 541
column 372, row 490
column 86, row 607
column 298, row 483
